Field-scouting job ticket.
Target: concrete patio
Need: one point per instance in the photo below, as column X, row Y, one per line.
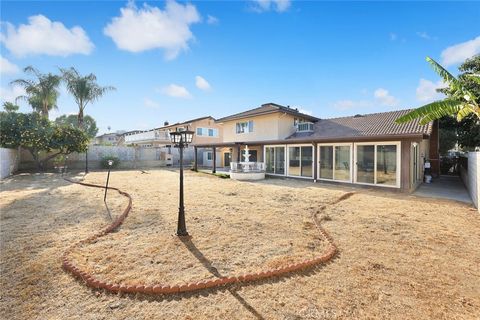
column 445, row 187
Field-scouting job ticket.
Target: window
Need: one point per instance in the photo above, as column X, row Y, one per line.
column 244, row 127
column 275, row 160
column 334, row 162
column 378, row 163
column 209, row 155
column 210, row 132
column 300, row 161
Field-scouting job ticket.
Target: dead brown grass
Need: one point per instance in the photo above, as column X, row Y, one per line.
column 400, row 257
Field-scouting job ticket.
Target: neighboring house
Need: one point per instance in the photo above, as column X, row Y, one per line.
column 121, row 140
column 366, row 149
column 109, row 138
column 205, row 128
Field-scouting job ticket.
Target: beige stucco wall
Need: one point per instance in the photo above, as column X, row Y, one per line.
column 272, row 126
column 204, row 123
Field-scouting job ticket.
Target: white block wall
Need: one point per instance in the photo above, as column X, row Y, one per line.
column 9, row 160
column 473, row 184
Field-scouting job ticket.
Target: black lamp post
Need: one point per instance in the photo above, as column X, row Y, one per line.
column 181, row 139
column 86, row 161
column 110, row 163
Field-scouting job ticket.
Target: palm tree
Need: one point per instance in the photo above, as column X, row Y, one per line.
column 461, row 102
column 41, row 93
column 84, row 89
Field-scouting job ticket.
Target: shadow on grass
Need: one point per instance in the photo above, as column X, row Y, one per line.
column 187, row 241
column 231, row 288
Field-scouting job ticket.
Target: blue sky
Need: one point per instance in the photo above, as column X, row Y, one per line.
column 171, row 61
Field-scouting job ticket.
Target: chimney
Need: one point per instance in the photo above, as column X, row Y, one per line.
column 165, row 123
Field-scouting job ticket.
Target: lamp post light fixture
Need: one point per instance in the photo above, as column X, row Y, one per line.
column 110, row 163
column 180, row 140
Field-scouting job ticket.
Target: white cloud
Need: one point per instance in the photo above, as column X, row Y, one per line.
column 427, row 90
column 6, row 67
column 202, row 84
column 212, row 19
column 460, row 52
column 176, row 91
column 424, row 35
column 309, row 112
column 10, row 93
column 149, row 103
column 383, row 97
column 380, row 96
column 343, row 105
column 42, row 36
column 266, row 5
column 149, row 28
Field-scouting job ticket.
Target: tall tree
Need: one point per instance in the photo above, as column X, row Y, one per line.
column 84, row 90
column 41, row 92
column 467, row 130
column 89, row 124
column 10, row 107
column 460, row 102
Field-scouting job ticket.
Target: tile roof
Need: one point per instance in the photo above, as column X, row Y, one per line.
column 368, row 125
column 266, row 109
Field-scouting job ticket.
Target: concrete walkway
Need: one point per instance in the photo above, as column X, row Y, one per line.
column 445, row 187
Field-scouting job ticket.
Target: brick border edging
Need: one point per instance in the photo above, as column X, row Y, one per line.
column 93, row 282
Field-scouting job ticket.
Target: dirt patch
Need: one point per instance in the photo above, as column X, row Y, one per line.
column 399, row 257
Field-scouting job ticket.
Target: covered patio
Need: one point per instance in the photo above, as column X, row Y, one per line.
column 232, row 149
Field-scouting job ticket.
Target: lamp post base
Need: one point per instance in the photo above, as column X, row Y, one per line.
column 183, row 235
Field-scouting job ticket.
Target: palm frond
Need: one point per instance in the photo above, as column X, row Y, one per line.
column 432, row 111
column 442, row 72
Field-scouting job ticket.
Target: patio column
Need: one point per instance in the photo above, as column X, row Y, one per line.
column 315, row 162
column 214, row 158
column 195, row 163
column 238, row 152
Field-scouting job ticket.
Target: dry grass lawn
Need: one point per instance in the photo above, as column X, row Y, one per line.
column 400, row 257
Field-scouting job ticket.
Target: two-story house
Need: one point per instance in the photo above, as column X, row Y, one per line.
column 206, row 131
column 267, row 122
column 369, row 149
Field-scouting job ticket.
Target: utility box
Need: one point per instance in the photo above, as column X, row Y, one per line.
column 169, row 160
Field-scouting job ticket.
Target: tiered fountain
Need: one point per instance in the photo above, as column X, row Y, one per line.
column 247, row 170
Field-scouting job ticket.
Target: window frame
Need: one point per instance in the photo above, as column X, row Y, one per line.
column 398, row 176
column 284, row 146
column 287, row 163
column 333, row 145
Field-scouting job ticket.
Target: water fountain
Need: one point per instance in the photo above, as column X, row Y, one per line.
column 247, row 170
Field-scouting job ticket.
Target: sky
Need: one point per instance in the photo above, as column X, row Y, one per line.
column 174, row 61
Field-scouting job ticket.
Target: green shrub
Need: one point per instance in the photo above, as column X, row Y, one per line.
column 104, row 162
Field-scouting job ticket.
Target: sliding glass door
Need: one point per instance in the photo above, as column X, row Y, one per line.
column 366, row 164
column 387, row 165
column 326, row 162
column 300, row 161
column 378, row 163
column 342, row 163
column 334, row 162
column 275, row 160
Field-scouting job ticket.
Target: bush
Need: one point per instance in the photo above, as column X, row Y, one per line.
column 104, row 162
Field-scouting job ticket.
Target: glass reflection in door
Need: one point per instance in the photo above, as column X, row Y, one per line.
column 326, row 162
column 366, row 163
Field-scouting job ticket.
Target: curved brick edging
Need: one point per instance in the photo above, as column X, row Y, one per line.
column 92, row 281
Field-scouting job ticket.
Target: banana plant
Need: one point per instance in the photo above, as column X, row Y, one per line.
column 460, row 103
